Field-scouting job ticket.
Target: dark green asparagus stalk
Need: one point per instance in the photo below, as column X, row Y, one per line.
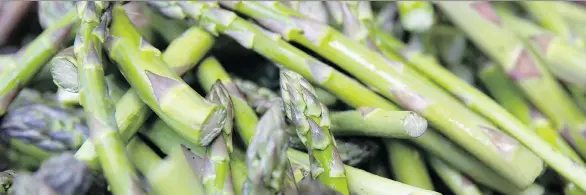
column 217, row 175
column 160, row 87
column 266, row 158
column 61, row 174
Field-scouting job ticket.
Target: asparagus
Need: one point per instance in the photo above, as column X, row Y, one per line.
column 32, row 57
column 159, row 87
column 342, row 86
column 410, row 168
column 266, row 159
column 178, row 173
column 314, row 9
column 354, row 152
column 527, row 72
column 405, row 87
column 551, row 19
column 458, row 183
column 378, row 122
column 181, row 55
column 416, row 16
column 60, row 174
column 6, row 179
column 571, row 12
column 51, row 12
column 217, row 175
column 310, row 186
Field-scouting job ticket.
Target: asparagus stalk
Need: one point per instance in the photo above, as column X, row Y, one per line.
column 551, row 19
column 416, row 16
column 32, row 57
column 279, row 51
column 354, row 152
column 458, row 183
column 394, row 81
column 410, row 168
column 160, row 87
column 379, row 123
column 314, row 9
column 571, row 12
column 176, row 174
column 527, row 72
column 217, row 175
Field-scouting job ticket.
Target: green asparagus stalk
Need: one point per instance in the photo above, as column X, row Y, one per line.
column 312, row 122
column 551, row 19
column 32, row 57
column 266, row 156
column 410, row 169
column 523, row 67
column 416, row 16
column 117, row 168
column 217, row 175
column 347, row 89
column 245, row 119
column 571, row 12
column 138, row 15
column 405, row 87
column 335, row 12
column 160, row 87
column 177, row 174
column 314, row 9
column 458, row 183
column 378, row 122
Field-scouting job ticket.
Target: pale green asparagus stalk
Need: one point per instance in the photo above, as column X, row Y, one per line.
column 118, row 170
column 458, row 183
column 545, row 14
column 378, row 122
column 416, row 16
column 410, row 168
column 407, row 88
column 159, row 86
column 528, row 72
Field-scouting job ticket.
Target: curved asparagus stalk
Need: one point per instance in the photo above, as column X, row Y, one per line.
column 32, row 57
column 407, row 88
column 416, row 16
column 118, row 170
column 378, row 122
column 266, row 156
column 160, row 87
column 217, row 175
column 527, row 72
column 312, row 122
column 410, row 169
column 458, row 183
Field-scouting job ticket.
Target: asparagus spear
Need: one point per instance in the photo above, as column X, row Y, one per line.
column 526, row 71
column 551, row 19
column 403, row 86
column 354, row 152
column 410, row 168
column 416, row 16
column 571, row 12
column 32, row 57
column 314, row 9
column 378, row 122
column 217, row 175
column 159, row 87
column 266, row 159
column 312, row 122
column 342, row 86
column 458, row 183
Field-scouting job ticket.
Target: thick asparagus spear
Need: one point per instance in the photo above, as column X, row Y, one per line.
column 32, row 57
column 416, row 16
column 312, row 122
column 527, row 72
column 217, row 175
column 159, row 87
column 266, row 156
column 458, row 183
column 408, row 89
column 410, row 169
column 118, row 170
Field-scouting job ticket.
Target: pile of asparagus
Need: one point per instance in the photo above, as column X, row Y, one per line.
column 293, row 97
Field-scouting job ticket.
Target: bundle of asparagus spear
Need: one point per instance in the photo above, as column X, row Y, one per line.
column 293, row 97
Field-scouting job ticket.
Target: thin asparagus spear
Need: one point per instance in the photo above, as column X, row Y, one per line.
column 416, row 16
column 245, row 120
column 526, row 71
column 458, row 183
column 551, row 19
column 410, row 169
column 347, row 89
column 403, row 86
column 312, row 122
column 570, row 11
column 378, row 122
column 164, row 137
column 117, row 168
column 217, row 176
column 160, row 87
column 176, row 174
column 32, row 57
column 266, row 156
